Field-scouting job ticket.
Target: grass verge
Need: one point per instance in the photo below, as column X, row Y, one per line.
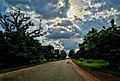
column 97, row 65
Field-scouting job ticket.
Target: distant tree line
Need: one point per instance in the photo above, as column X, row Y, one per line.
column 103, row 44
column 18, row 46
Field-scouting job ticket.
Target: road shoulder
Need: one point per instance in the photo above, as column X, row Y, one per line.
column 87, row 76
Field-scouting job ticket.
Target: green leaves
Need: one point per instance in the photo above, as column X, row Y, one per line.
column 103, row 44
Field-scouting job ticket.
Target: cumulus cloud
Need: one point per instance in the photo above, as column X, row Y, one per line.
column 96, row 13
column 67, row 20
column 47, row 8
column 65, row 23
column 56, row 43
column 107, row 4
column 60, row 33
column 101, row 8
column 64, row 30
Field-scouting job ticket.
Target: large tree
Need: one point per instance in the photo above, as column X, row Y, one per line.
column 21, row 22
column 17, row 44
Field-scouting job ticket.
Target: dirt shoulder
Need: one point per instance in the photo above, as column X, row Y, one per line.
column 100, row 75
column 85, row 74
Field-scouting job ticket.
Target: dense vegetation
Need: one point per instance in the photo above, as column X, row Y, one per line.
column 103, row 44
column 18, row 46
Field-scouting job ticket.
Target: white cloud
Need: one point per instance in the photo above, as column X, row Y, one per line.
column 67, row 20
column 57, row 44
column 65, row 23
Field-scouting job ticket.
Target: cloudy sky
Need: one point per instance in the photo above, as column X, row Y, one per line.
column 67, row 21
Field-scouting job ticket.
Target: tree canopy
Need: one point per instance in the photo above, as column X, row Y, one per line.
column 103, row 44
column 18, row 46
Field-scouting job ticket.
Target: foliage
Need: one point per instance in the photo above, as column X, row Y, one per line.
column 97, row 65
column 71, row 53
column 103, row 44
column 18, row 46
column 63, row 54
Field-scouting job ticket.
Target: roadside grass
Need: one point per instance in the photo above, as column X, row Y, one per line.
column 92, row 63
column 98, row 65
column 21, row 67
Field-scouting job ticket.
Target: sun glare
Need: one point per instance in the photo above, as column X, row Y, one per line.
column 70, row 13
column 73, row 11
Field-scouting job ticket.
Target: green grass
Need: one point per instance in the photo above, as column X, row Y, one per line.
column 92, row 63
column 99, row 65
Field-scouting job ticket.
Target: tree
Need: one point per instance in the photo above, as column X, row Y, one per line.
column 48, row 52
column 71, row 53
column 17, row 45
column 57, row 54
column 20, row 22
column 103, row 44
column 63, row 54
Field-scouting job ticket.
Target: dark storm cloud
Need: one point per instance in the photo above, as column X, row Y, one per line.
column 61, row 33
column 46, row 8
column 65, row 23
column 57, row 34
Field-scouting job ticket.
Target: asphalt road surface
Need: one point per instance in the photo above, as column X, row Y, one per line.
column 53, row 71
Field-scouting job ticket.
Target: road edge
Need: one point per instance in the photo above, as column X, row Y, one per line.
column 87, row 76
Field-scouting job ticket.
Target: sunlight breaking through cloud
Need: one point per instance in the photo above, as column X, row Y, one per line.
column 67, row 20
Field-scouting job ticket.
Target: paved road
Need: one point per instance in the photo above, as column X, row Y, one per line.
column 53, row 71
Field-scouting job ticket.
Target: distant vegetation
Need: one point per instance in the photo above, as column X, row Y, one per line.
column 103, row 44
column 18, row 46
column 92, row 63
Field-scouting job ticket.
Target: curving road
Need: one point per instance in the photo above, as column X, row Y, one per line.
column 53, row 71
